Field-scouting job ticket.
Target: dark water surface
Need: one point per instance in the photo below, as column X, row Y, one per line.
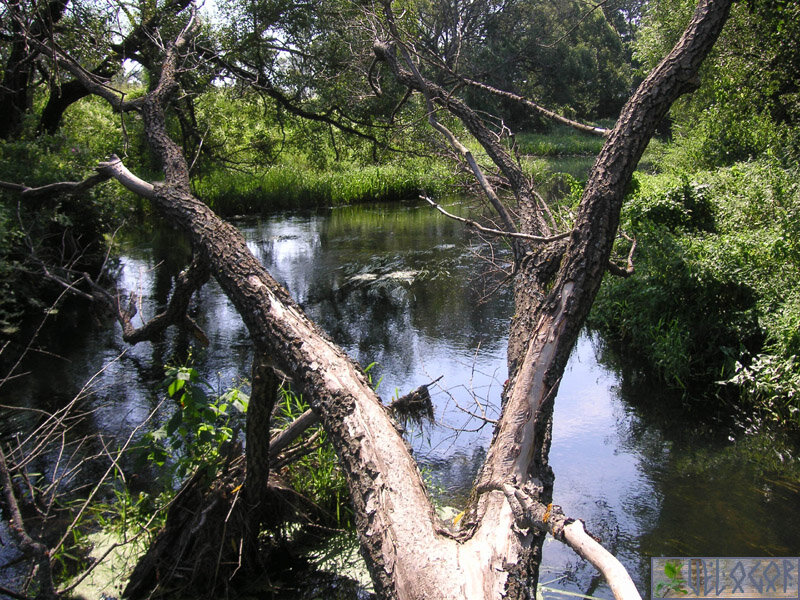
column 407, row 289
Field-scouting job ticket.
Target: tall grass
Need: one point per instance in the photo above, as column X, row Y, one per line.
column 299, row 186
column 565, row 150
column 296, row 183
column 559, row 141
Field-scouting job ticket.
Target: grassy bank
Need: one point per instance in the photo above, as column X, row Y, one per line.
column 288, row 186
column 713, row 308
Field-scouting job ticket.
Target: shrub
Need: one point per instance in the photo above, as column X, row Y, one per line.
column 714, row 295
column 61, row 232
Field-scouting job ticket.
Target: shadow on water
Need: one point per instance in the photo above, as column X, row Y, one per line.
column 653, row 478
column 400, row 286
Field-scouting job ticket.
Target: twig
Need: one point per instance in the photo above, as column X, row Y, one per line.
column 27, row 544
column 102, row 479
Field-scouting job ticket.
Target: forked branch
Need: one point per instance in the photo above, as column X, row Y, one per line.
column 627, row 270
column 186, row 284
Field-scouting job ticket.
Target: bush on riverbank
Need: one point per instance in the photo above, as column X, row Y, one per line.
column 713, row 303
column 59, row 235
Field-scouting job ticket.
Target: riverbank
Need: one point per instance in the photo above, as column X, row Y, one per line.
column 713, row 309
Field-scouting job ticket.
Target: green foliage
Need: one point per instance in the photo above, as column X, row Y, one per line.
column 62, row 232
column 316, row 475
column 195, row 435
column 749, row 103
column 675, row 582
column 558, row 53
column 714, row 295
column 675, row 204
column 559, row 141
column 772, row 383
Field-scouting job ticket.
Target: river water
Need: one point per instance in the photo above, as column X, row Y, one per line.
column 411, row 291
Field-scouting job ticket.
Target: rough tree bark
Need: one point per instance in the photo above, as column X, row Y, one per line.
column 410, row 553
column 25, row 21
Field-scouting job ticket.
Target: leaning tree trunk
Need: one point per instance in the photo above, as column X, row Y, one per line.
column 410, row 553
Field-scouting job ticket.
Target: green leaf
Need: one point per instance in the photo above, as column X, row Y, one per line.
column 241, row 402
column 174, row 422
column 175, row 386
column 671, row 569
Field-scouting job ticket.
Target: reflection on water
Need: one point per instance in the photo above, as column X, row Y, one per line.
column 401, row 287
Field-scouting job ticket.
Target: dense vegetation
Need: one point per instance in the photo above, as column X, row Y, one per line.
column 251, row 166
column 713, row 308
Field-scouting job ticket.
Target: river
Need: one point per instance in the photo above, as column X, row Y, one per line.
column 409, row 290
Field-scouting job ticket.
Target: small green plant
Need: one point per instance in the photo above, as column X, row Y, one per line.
column 675, row 584
column 199, row 428
column 316, row 473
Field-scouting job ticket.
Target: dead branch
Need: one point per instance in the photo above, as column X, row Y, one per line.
column 534, row 220
column 27, row 544
column 281, row 440
column 496, row 232
column 628, row 270
column 297, row 451
column 529, row 512
column 466, row 154
column 54, row 189
column 591, row 129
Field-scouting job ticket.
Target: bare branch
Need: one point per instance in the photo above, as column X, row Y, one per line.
column 12, row 594
column 17, row 525
column 627, row 271
column 187, row 283
column 599, row 131
column 282, row 440
column 113, row 167
column 497, row 232
column 53, row 189
column 533, row 220
column 529, row 512
column 102, row 480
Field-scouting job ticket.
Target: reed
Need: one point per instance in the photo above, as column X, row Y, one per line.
column 292, row 186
